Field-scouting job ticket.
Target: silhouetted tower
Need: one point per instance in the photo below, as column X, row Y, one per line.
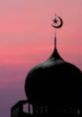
column 53, row 88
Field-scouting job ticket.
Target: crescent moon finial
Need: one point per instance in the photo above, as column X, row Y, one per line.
column 57, row 23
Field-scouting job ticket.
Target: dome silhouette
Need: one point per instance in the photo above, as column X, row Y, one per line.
column 54, row 82
column 53, row 88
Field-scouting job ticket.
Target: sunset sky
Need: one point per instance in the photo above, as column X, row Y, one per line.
column 26, row 39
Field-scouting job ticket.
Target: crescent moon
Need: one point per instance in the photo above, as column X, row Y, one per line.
column 61, row 23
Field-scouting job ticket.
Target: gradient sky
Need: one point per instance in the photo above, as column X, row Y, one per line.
column 26, row 39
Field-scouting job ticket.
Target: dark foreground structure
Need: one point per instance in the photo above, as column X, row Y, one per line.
column 53, row 88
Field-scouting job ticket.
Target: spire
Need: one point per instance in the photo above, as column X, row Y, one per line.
column 55, row 40
column 57, row 23
column 55, row 43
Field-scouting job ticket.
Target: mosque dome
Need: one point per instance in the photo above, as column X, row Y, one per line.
column 53, row 88
column 54, row 81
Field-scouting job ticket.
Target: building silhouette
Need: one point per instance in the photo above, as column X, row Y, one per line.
column 53, row 88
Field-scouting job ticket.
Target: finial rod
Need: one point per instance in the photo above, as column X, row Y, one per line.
column 55, row 43
column 55, row 40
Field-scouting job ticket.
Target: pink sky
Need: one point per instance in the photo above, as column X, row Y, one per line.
column 26, row 39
